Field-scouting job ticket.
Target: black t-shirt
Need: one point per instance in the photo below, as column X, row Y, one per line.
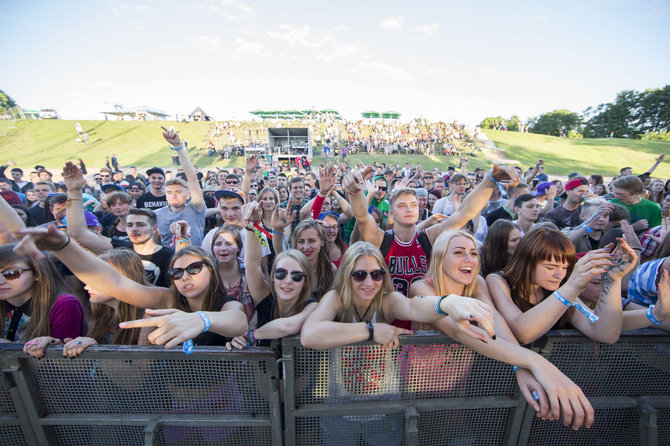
column 209, row 337
column 499, row 213
column 156, row 266
column 119, row 239
column 37, row 212
column 150, row 201
column 264, row 314
column 564, row 218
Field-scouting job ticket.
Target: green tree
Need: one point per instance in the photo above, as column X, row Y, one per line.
column 556, row 123
column 511, row 123
column 6, row 102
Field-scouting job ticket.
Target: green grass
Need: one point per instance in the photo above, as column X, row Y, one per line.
column 598, row 155
column 52, row 142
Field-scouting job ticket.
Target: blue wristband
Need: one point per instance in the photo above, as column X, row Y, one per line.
column 177, row 149
column 437, row 306
column 650, row 315
column 205, row 320
column 276, row 232
column 562, row 299
column 587, row 229
column 188, row 347
column 515, row 368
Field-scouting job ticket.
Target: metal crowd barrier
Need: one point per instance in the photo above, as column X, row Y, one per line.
column 429, row 391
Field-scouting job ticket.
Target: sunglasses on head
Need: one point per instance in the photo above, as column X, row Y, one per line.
column 376, row 275
column 296, row 276
column 13, row 274
column 192, row 269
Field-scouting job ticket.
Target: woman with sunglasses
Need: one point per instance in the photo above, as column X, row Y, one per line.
column 283, row 304
column 454, row 269
column 34, row 302
column 309, row 239
column 357, row 309
column 195, row 307
column 539, row 287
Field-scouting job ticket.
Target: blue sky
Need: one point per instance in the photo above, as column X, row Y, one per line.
column 438, row 60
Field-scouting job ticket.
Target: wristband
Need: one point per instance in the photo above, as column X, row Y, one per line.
column 592, row 317
column 252, row 339
column 205, row 320
column 64, row 244
column 437, row 306
column 650, row 315
column 371, row 329
column 177, row 149
column 500, row 186
column 276, row 232
column 188, row 346
column 515, row 368
column 587, row 229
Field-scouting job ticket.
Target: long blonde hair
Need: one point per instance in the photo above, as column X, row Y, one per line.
column 105, row 319
column 324, row 267
column 436, row 268
column 306, row 291
column 342, row 282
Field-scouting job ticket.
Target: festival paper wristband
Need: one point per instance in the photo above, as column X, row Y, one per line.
column 177, row 149
column 592, row 317
column 205, row 320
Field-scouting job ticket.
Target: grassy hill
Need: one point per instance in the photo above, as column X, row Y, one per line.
column 600, row 155
column 52, row 142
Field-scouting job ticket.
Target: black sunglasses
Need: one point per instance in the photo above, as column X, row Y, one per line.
column 376, row 275
column 296, row 276
column 382, row 188
column 192, row 269
column 13, row 274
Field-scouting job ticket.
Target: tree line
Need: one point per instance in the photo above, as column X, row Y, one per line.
column 633, row 114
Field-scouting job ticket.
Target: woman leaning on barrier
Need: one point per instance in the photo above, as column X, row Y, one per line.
column 194, row 308
column 34, row 302
column 539, row 288
column 357, row 309
column 283, row 304
column 454, row 269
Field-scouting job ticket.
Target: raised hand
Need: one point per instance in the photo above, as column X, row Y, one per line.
column 171, row 137
column 603, row 209
column 250, row 163
column 326, row 179
column 594, row 262
column 35, row 240
column 281, row 218
column 505, row 173
column 72, row 177
column 624, row 258
column 181, row 228
column 354, row 182
column 665, row 228
column 252, row 212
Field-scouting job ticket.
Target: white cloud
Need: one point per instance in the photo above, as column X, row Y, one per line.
column 296, row 35
column 392, row 23
column 380, row 69
column 141, row 8
column 344, row 50
column 231, row 10
column 242, row 47
column 427, row 30
column 210, row 42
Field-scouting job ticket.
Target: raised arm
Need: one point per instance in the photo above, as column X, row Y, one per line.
column 258, row 287
column 249, row 165
column 10, row 219
column 194, row 189
column 475, row 201
column 76, row 222
column 353, row 185
column 658, row 161
column 91, row 270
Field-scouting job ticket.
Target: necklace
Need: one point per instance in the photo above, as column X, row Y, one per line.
column 360, row 319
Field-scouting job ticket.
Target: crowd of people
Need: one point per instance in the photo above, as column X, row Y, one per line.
column 337, row 255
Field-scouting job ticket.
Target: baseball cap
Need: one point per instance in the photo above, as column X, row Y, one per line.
column 232, row 192
column 155, row 170
column 108, row 188
column 575, row 183
column 542, row 188
column 422, row 192
column 91, row 219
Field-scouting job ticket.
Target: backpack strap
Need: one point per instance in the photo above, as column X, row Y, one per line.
column 387, row 241
column 424, row 241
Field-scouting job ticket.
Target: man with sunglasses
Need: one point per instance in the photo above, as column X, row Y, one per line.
column 567, row 215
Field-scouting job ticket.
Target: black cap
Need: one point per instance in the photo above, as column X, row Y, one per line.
column 155, row 170
column 111, row 187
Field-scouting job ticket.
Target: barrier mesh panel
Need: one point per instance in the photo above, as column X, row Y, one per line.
column 98, row 435
column 386, row 430
column 6, row 402
column 483, row 427
column 664, row 425
column 593, row 367
column 610, row 427
column 206, row 387
column 371, row 372
column 12, row 435
column 233, row 436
